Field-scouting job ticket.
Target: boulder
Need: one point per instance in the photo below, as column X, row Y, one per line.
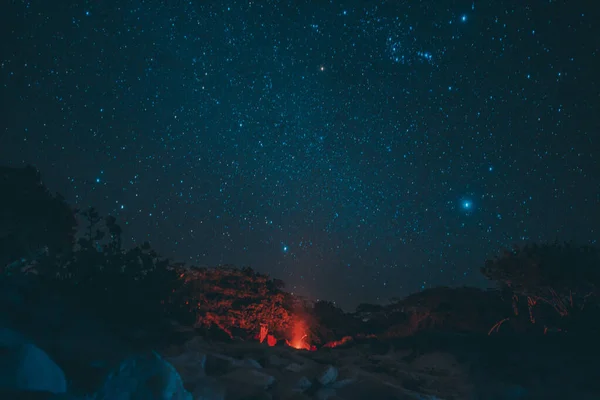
column 209, row 388
column 247, row 363
column 325, row 393
column 25, row 367
column 328, row 375
column 439, row 363
column 144, row 377
column 273, row 360
column 299, row 396
column 290, row 385
column 294, row 367
column 190, row 366
column 302, row 384
column 251, row 377
column 342, row 383
column 218, row 364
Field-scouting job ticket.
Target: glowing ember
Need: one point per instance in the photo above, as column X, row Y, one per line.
column 263, row 333
column 336, row 343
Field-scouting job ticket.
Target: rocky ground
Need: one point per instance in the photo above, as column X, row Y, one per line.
column 49, row 350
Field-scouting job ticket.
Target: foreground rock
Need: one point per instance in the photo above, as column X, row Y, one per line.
column 328, row 376
column 145, row 377
column 100, row 364
column 25, row 367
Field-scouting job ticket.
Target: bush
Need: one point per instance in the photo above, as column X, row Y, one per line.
column 239, row 299
column 126, row 287
column 463, row 309
column 559, row 283
column 33, row 221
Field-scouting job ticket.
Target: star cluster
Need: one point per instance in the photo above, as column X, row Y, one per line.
column 357, row 150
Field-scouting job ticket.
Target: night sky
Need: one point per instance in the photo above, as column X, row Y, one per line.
column 357, row 150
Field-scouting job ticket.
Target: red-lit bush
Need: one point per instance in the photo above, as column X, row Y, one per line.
column 237, row 299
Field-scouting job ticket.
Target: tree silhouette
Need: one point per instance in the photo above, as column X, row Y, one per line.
column 237, row 299
column 33, row 221
column 564, row 277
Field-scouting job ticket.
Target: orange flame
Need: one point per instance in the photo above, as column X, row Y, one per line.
column 299, row 337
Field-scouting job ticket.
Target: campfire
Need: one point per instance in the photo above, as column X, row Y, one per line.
column 298, row 338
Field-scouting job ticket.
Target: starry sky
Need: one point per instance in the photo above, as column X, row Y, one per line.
column 358, row 150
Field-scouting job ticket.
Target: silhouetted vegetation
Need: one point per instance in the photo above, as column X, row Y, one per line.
column 329, row 322
column 557, row 284
column 546, row 286
column 128, row 287
column 32, row 220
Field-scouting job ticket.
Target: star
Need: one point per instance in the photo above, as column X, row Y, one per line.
column 467, row 205
column 225, row 131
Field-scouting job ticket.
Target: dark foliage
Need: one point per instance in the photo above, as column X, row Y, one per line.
column 127, row 287
column 329, row 322
column 446, row 309
column 558, row 283
column 553, row 285
column 33, row 221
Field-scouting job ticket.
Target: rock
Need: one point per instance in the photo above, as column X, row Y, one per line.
column 209, row 389
column 273, row 360
column 291, row 384
column 342, row 383
column 24, row 366
column 439, row 363
column 251, row 377
column 144, row 377
column 325, row 393
column 189, row 365
column 293, row 367
column 241, row 391
column 296, row 396
column 373, row 389
column 255, row 396
column 247, row 363
column 302, row 384
column 328, row 376
column 195, row 344
column 35, row 395
column 218, row 364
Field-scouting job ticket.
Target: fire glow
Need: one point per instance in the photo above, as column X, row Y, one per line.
column 299, row 336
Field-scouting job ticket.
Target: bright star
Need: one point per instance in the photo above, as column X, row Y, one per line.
column 463, row 18
column 467, row 205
